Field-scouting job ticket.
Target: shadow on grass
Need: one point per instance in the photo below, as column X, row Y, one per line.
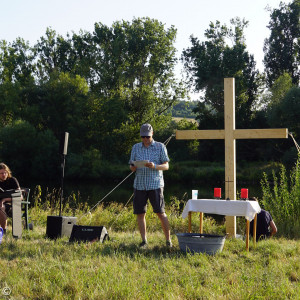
column 132, row 250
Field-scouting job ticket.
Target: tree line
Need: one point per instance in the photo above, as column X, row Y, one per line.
column 101, row 86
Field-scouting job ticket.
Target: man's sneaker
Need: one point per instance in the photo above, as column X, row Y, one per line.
column 143, row 244
column 169, row 244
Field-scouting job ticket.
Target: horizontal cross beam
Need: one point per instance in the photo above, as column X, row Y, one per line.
column 274, row 133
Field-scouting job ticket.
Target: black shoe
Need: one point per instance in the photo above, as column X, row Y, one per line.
column 143, row 244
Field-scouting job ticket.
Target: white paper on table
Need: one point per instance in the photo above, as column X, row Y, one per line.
column 140, row 163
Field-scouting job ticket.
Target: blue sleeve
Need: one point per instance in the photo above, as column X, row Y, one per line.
column 164, row 154
column 132, row 155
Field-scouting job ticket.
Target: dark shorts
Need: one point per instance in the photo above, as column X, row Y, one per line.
column 156, row 198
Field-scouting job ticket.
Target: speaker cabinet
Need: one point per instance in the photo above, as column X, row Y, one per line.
column 59, row 226
column 89, row 233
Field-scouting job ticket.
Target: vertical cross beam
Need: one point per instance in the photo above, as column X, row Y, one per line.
column 230, row 149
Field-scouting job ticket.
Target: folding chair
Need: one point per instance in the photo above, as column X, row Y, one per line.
column 25, row 202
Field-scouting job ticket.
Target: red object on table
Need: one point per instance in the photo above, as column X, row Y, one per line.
column 244, row 193
column 217, row 192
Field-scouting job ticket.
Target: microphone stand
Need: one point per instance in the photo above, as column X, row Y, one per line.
column 63, row 170
column 62, row 182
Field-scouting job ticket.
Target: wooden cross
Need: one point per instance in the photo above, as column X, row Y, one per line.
column 230, row 135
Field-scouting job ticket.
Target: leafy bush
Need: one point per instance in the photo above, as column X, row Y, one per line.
column 195, row 171
column 283, row 200
column 27, row 151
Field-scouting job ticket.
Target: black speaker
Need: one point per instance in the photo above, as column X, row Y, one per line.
column 58, row 226
column 89, row 234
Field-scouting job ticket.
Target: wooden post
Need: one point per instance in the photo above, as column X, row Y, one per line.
column 190, row 221
column 247, row 234
column 230, row 156
column 254, row 230
column 201, row 222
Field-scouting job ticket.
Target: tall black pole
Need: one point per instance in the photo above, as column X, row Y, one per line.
column 65, row 150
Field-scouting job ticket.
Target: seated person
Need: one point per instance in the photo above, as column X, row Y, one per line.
column 7, row 182
column 265, row 225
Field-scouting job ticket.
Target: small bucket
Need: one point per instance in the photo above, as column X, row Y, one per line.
column 198, row 242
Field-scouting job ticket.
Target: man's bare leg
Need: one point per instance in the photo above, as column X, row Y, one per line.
column 165, row 225
column 141, row 220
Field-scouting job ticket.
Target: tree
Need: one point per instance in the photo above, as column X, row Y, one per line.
column 17, row 69
column 128, row 67
column 16, row 62
column 134, row 65
column 29, row 152
column 99, row 86
column 53, row 55
column 9, row 102
column 135, row 61
column 62, row 104
column 209, row 62
column 278, row 90
column 284, row 110
column 282, row 48
column 74, row 54
column 291, row 110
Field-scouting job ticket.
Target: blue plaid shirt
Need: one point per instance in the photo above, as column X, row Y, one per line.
column 146, row 178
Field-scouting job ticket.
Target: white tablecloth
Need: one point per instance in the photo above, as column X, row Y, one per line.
column 246, row 209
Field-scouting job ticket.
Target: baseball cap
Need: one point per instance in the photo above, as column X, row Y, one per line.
column 146, row 130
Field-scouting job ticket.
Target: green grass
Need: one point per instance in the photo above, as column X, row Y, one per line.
column 35, row 267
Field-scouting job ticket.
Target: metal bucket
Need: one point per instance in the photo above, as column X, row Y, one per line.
column 1, row 234
column 197, row 242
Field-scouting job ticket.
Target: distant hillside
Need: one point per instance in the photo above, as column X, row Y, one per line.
column 177, row 119
column 184, row 109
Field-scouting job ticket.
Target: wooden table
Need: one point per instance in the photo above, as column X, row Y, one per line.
column 242, row 208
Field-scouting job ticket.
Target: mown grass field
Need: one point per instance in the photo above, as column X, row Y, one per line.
column 36, row 267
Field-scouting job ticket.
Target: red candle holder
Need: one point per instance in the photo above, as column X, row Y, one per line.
column 244, row 193
column 217, row 193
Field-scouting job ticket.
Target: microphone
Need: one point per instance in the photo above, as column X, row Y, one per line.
column 66, row 143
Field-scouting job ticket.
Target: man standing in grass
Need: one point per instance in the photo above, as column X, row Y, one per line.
column 149, row 181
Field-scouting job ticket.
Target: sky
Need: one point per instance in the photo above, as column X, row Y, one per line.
column 29, row 19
